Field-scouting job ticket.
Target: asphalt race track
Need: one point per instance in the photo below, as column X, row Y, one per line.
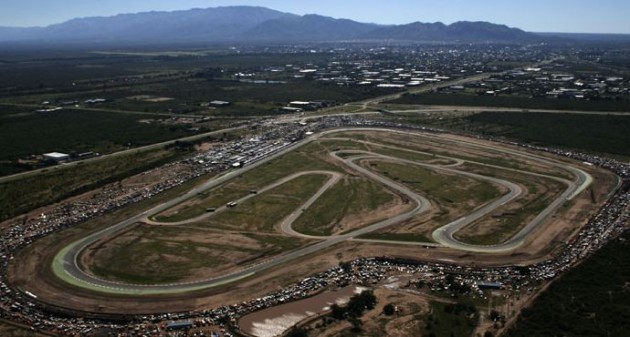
column 66, row 267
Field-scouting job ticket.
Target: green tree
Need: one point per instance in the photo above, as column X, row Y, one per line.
column 369, row 299
column 298, row 332
column 337, row 312
column 356, row 323
column 359, row 303
column 389, row 309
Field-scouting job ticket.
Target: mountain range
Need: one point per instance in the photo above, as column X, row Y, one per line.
column 250, row 24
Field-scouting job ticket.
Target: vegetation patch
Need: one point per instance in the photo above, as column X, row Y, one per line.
column 308, row 158
column 590, row 300
column 402, row 154
column 605, row 134
column 77, row 131
column 24, row 194
column 515, row 215
column 589, row 133
column 444, row 188
column 513, row 102
column 348, row 198
column 161, row 254
column 450, row 319
column 264, row 212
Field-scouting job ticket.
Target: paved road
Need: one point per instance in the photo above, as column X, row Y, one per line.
column 514, row 192
column 66, row 264
column 285, row 225
column 444, row 235
column 334, row 177
column 363, row 104
column 115, row 154
column 475, row 109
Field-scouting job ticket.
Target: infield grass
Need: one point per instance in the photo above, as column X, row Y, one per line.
column 264, row 212
column 348, row 198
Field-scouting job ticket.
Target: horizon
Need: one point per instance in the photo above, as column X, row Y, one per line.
column 535, row 16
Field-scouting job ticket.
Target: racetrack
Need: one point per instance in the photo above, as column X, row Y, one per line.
column 66, row 266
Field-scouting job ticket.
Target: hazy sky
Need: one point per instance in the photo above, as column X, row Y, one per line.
column 597, row 16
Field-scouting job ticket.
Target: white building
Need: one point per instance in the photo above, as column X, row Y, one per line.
column 57, row 157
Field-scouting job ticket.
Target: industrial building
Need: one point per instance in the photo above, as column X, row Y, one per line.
column 56, row 157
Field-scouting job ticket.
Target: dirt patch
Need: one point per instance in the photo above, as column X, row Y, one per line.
column 205, row 147
column 356, row 221
column 276, row 320
column 405, row 321
column 150, row 98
